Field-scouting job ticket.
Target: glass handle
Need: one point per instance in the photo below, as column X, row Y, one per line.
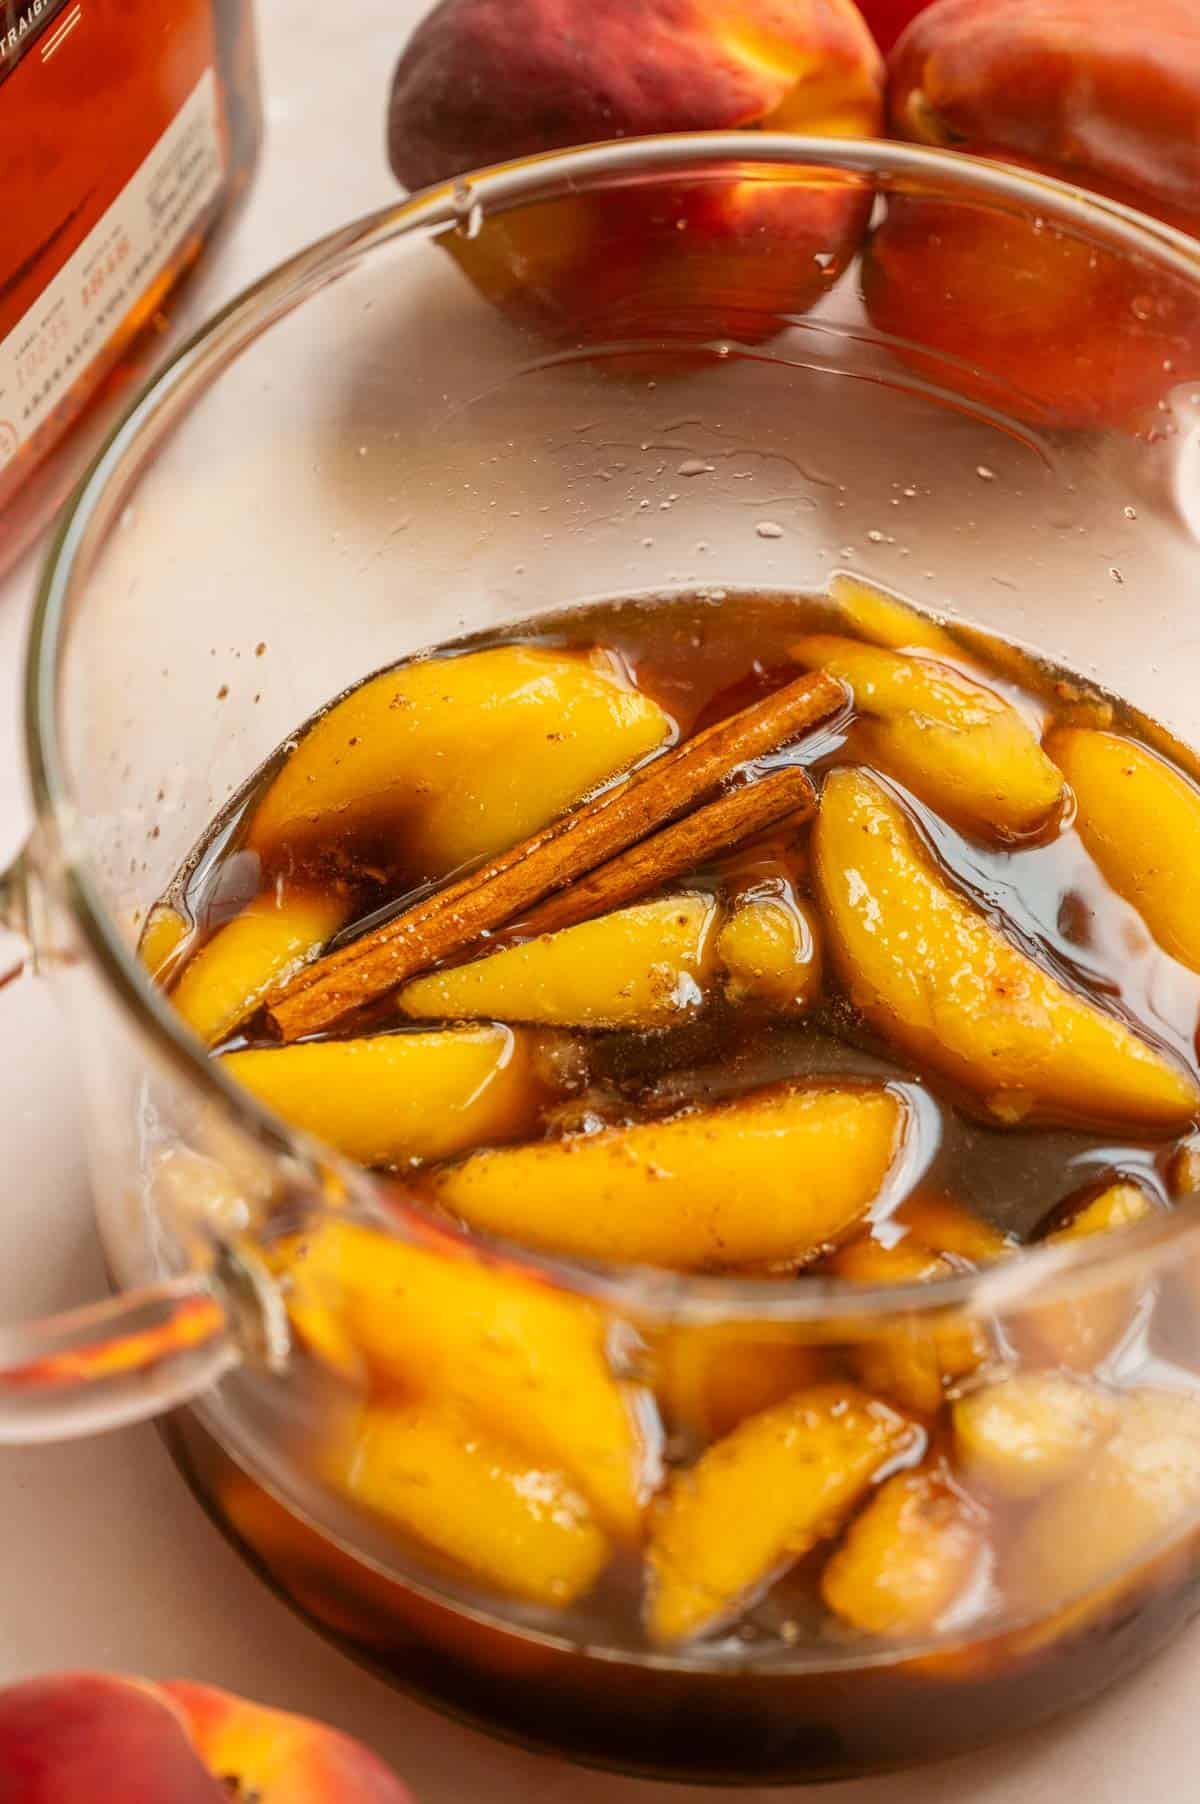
column 141, row 1353
column 112, row 1363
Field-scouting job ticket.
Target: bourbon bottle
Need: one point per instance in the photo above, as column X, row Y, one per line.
column 127, row 130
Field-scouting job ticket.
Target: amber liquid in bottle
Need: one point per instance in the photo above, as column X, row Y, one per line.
column 127, row 130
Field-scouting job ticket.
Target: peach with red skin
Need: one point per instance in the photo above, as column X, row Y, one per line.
column 1027, row 318
column 278, row 1758
column 1103, row 91
column 485, row 81
column 1024, row 315
column 66, row 1739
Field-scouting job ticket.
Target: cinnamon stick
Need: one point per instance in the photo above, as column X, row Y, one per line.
column 455, row 918
column 723, row 824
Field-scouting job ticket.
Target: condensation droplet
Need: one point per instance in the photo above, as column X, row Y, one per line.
column 769, row 529
column 695, row 466
column 985, row 473
column 1131, row 513
column 1116, row 574
column 646, row 544
column 1142, row 306
column 875, row 536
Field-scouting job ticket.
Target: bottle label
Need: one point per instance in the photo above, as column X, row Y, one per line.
column 24, row 22
column 77, row 313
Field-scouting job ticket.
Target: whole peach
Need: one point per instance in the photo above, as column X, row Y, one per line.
column 1105, row 91
column 77, row 1738
column 1006, row 307
column 486, row 81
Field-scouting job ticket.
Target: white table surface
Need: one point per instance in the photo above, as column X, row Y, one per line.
column 106, row 1561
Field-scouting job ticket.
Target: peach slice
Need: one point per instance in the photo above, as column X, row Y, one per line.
column 710, row 1377
column 953, row 742
column 1140, row 820
column 532, row 1364
column 1029, row 1432
column 1136, row 1490
column 1079, row 1332
column 888, row 621
column 481, row 83
column 945, row 1225
column 770, row 947
column 264, row 945
column 643, row 967
column 272, row 1757
column 446, row 760
column 769, row 1178
column 931, row 973
column 910, row 1555
column 396, row 1098
column 913, row 1361
column 762, row 1498
column 433, row 1472
column 162, row 936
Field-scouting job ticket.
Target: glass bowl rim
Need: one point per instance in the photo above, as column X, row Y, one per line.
column 648, row 1292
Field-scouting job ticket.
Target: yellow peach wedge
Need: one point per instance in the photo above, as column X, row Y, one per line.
column 432, row 1472
column 643, row 967
column 912, row 1360
column 1029, row 1432
column 1079, row 1332
column 710, row 1377
column 1123, row 1503
column 1140, row 820
column 763, row 1497
column 953, row 742
column 162, row 936
column 453, row 759
column 910, row 1555
column 531, row 1362
column 886, row 620
column 945, row 1225
column 395, row 1098
column 770, row 1178
column 932, row 974
column 264, row 945
column 770, row 947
